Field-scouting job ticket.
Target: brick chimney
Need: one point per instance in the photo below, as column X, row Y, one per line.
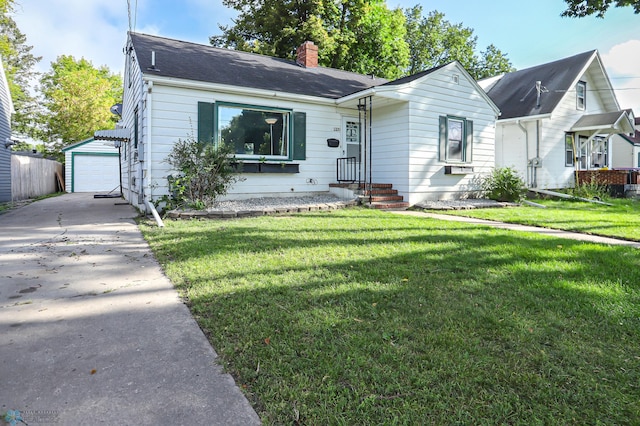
column 307, row 55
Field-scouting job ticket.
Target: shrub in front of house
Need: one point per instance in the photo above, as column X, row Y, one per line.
column 504, row 184
column 204, row 172
column 590, row 189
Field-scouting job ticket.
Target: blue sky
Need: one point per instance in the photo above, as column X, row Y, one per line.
column 529, row 32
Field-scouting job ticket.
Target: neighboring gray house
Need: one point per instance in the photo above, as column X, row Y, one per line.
column 430, row 135
column 6, row 109
column 557, row 118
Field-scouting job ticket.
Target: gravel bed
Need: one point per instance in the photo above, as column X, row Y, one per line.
column 276, row 205
column 275, row 202
column 265, row 206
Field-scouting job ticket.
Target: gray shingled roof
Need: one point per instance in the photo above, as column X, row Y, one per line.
column 192, row 61
column 595, row 121
column 410, row 78
column 516, row 95
column 635, row 139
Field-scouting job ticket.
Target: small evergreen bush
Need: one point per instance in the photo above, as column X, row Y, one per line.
column 204, row 172
column 504, row 184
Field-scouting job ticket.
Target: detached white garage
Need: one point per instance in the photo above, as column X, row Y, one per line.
column 92, row 166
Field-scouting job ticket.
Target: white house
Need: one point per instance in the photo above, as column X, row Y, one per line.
column 556, row 118
column 429, row 135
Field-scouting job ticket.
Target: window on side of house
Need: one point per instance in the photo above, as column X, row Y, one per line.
column 135, row 128
column 456, row 139
column 254, row 132
column 569, row 156
column 581, row 95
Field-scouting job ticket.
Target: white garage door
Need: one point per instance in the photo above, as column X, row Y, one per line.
column 95, row 173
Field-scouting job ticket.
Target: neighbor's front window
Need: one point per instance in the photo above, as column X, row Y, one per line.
column 581, row 95
column 569, row 156
column 254, row 131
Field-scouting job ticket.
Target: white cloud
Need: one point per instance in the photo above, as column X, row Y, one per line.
column 622, row 62
column 95, row 30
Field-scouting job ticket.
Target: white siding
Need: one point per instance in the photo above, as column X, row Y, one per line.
column 174, row 116
column 133, row 97
column 624, row 153
column 407, row 138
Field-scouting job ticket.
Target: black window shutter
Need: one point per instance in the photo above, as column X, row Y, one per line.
column 468, row 146
column 206, row 113
column 299, row 136
column 442, row 151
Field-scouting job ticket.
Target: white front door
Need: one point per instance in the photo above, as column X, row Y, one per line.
column 350, row 169
column 352, row 138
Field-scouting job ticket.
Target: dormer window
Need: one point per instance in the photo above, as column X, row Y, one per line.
column 581, row 96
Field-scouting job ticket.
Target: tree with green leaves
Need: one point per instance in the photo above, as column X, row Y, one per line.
column 77, row 97
column 353, row 35
column 492, row 62
column 18, row 62
column 434, row 41
column 582, row 8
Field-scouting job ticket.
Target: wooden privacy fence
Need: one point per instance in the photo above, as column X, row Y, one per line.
column 33, row 177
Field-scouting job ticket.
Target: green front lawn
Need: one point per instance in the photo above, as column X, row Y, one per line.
column 622, row 220
column 365, row 317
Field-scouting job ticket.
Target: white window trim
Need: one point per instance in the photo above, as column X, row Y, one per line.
column 582, row 107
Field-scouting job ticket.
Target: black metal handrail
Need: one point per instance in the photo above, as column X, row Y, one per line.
column 347, row 170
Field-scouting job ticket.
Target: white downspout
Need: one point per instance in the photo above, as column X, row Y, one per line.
column 156, row 216
column 526, row 147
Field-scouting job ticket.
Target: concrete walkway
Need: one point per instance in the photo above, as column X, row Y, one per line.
column 515, row 227
column 92, row 332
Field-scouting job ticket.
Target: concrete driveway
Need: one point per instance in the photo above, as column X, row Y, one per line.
column 92, row 332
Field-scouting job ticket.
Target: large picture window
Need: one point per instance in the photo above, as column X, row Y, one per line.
column 254, row 131
column 456, row 138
